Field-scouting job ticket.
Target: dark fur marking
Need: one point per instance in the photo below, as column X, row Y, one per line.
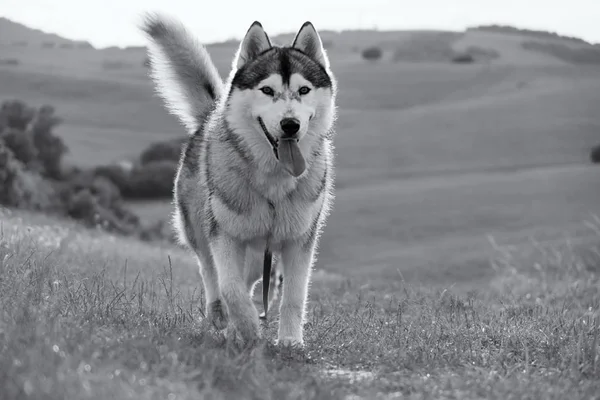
column 281, row 60
column 213, row 226
column 210, row 89
column 191, row 153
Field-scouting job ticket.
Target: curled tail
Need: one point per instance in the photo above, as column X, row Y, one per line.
column 185, row 75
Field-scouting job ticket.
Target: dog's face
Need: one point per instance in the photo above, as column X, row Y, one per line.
column 286, row 94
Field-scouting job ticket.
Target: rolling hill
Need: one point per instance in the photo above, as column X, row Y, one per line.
column 432, row 155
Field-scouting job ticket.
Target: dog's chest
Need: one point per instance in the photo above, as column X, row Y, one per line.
column 276, row 213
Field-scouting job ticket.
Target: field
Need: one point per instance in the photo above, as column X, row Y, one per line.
column 458, row 262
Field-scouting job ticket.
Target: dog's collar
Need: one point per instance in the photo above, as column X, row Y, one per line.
column 274, row 142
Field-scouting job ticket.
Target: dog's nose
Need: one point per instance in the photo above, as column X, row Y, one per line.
column 290, row 126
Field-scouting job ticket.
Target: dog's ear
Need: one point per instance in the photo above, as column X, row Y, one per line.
column 255, row 42
column 309, row 42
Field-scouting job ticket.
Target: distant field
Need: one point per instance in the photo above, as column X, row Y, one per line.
column 431, row 156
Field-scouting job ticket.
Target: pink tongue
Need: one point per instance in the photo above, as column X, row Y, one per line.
column 291, row 157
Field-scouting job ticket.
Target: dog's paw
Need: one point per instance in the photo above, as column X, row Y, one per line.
column 217, row 315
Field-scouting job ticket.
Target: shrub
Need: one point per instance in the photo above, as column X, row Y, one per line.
column 115, row 174
column 372, row 53
column 20, row 144
column 32, row 176
column 15, row 114
column 167, row 150
column 96, row 201
column 9, row 61
column 152, row 180
column 463, row 58
column 28, row 133
column 595, row 154
column 51, row 148
column 24, row 189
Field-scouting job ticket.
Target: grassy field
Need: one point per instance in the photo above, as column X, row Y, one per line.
column 457, row 262
column 85, row 316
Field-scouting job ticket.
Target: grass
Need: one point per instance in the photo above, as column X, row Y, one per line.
column 91, row 317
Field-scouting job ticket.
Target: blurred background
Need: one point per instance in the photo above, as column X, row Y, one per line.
column 461, row 127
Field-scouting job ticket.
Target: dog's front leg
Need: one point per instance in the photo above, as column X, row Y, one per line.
column 229, row 255
column 297, row 259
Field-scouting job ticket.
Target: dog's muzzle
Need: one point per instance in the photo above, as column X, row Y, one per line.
column 286, row 150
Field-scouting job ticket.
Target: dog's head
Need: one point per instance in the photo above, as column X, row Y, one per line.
column 285, row 94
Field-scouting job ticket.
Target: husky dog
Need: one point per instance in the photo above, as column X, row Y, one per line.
column 256, row 175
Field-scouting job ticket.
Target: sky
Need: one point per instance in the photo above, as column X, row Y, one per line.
column 114, row 22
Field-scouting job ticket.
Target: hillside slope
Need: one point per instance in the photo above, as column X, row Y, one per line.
column 18, row 35
column 431, row 156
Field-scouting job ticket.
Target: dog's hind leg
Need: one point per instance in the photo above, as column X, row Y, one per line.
column 191, row 233
column 229, row 256
column 216, row 312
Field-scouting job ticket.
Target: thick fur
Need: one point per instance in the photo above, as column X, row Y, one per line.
column 232, row 196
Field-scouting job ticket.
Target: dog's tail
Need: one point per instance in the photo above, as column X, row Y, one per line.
column 185, row 75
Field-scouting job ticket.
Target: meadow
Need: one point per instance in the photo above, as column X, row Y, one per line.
column 460, row 261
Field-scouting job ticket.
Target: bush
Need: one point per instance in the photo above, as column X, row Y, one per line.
column 595, row 154
column 115, row 174
column 28, row 133
column 15, row 114
column 51, row 148
column 20, row 188
column 20, row 144
column 169, row 150
column 152, row 180
column 9, row 61
column 32, row 176
column 463, row 59
column 98, row 203
column 373, row 53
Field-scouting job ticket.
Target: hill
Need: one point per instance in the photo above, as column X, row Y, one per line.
column 18, row 35
column 452, row 152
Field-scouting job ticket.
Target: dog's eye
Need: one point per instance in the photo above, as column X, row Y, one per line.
column 304, row 90
column 267, row 90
